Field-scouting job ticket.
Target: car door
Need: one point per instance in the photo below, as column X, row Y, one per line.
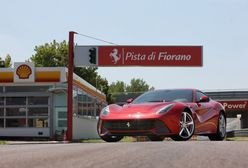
column 204, row 113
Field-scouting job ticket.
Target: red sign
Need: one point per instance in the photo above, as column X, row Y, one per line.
column 235, row 105
column 149, row 55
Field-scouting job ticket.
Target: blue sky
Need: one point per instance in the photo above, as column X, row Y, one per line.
column 220, row 26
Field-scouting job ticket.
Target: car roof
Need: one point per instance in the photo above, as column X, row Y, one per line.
column 176, row 89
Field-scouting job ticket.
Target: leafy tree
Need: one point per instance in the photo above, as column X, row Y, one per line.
column 119, row 91
column 102, row 85
column 152, row 88
column 52, row 54
column 7, row 61
column 55, row 54
column 89, row 74
column 116, row 87
column 137, row 85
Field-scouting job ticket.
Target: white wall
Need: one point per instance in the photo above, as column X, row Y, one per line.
column 84, row 128
column 233, row 124
column 24, row 132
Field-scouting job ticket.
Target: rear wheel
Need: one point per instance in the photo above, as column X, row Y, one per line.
column 221, row 129
column 187, row 127
column 156, row 137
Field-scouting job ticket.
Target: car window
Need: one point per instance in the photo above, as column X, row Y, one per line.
column 165, row 96
column 199, row 95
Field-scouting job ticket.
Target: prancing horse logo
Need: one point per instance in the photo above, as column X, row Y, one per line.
column 128, row 124
column 115, row 56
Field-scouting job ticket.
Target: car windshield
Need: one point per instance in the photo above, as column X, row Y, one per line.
column 165, row 96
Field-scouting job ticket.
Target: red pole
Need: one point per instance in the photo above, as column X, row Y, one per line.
column 70, row 86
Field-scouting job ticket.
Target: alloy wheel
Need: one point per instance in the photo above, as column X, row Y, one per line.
column 222, row 125
column 186, row 125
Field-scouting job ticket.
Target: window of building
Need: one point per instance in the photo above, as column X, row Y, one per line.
column 99, row 107
column 86, row 104
column 84, row 98
column 15, row 100
column 16, row 122
column 1, row 122
column 16, row 111
column 26, row 89
column 62, row 123
column 1, row 101
column 24, row 111
column 1, row 112
column 38, row 111
column 80, row 108
column 1, row 89
column 80, row 97
column 37, row 100
column 38, row 122
column 62, row 114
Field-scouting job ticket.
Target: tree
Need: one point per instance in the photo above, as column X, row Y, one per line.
column 89, row 74
column 7, row 61
column 116, row 87
column 52, row 54
column 55, row 54
column 137, row 85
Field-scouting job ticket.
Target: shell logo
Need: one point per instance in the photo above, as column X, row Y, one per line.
column 23, row 71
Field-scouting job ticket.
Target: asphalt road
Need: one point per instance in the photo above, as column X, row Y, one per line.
column 165, row 154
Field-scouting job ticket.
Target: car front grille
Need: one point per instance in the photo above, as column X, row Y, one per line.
column 132, row 124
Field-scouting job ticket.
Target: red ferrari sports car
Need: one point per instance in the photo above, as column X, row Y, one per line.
column 177, row 113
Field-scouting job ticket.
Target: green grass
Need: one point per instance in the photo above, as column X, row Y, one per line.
column 91, row 141
column 129, row 139
column 3, row 142
column 237, row 139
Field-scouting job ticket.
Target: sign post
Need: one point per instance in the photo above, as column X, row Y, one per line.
column 70, row 86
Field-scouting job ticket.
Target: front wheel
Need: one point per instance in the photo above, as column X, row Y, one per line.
column 107, row 138
column 187, row 127
column 221, row 129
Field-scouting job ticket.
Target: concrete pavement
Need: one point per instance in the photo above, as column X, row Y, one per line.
column 191, row 154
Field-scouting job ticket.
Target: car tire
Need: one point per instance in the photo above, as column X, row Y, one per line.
column 221, row 129
column 187, row 127
column 156, row 137
column 108, row 138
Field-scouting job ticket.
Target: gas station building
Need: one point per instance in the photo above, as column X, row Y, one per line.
column 33, row 103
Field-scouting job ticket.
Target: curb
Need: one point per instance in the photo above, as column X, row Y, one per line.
column 35, row 142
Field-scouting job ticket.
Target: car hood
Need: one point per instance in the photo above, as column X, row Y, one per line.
column 142, row 110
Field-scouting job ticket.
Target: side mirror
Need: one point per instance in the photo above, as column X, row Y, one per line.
column 204, row 99
column 129, row 100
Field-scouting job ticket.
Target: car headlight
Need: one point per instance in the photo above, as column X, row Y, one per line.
column 165, row 109
column 105, row 111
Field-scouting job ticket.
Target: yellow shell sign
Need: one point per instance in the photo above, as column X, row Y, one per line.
column 23, row 71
